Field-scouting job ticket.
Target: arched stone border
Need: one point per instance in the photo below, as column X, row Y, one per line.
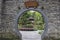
column 21, row 12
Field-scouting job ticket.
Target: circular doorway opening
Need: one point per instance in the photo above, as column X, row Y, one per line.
column 31, row 21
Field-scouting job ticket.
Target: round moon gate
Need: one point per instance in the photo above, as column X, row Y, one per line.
column 21, row 12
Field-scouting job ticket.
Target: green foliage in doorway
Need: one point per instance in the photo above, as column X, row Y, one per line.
column 38, row 22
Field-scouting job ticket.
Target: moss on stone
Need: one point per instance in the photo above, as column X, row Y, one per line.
column 9, row 36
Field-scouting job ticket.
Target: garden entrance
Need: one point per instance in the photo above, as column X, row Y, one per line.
column 31, row 20
column 31, row 24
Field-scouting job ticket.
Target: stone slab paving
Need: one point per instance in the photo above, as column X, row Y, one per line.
column 30, row 35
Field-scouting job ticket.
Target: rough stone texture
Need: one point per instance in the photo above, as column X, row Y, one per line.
column 51, row 10
column 53, row 14
column 0, row 12
column 8, row 13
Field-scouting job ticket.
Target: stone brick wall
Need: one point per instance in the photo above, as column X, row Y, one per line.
column 0, row 12
column 8, row 13
column 53, row 14
column 51, row 10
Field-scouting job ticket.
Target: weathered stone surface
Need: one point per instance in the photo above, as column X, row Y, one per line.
column 53, row 23
column 7, row 29
column 51, row 10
